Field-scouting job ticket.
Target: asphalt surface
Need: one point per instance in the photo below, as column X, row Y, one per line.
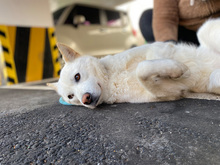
column 36, row 129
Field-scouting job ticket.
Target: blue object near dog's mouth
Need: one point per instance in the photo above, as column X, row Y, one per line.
column 63, row 102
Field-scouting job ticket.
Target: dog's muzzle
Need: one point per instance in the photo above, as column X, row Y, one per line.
column 89, row 99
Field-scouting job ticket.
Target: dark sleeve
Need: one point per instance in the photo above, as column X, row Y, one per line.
column 165, row 20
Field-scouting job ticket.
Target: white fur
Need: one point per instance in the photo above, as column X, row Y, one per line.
column 152, row 72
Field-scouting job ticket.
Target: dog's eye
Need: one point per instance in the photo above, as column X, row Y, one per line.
column 77, row 77
column 71, row 96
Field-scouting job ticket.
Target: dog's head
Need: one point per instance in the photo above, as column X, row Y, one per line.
column 81, row 80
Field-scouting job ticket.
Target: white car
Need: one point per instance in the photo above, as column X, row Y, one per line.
column 94, row 30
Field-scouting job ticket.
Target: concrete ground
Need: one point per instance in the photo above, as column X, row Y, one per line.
column 36, row 129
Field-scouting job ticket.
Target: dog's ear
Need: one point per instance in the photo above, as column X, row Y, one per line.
column 53, row 85
column 68, row 53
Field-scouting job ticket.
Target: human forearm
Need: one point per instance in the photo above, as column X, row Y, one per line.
column 165, row 20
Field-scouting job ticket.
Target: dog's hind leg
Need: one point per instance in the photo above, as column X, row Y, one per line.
column 163, row 77
column 209, row 35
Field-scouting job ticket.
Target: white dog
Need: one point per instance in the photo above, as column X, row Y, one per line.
column 152, row 72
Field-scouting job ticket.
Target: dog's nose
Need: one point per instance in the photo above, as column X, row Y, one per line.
column 87, row 98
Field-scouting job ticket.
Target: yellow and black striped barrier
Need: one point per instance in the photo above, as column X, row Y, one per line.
column 29, row 54
column 7, row 58
column 54, row 51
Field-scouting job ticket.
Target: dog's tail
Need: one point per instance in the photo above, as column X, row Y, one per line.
column 209, row 34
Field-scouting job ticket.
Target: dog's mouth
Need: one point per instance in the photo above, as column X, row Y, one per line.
column 98, row 101
column 99, row 85
column 99, row 98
